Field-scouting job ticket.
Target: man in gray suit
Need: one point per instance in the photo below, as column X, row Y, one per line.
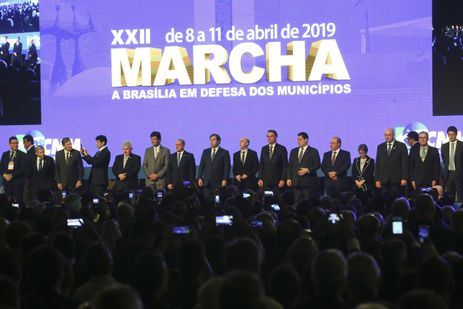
column 155, row 163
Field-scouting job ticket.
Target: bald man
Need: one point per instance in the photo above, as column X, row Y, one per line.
column 391, row 170
column 245, row 166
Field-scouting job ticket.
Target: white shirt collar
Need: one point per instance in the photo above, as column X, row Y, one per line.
column 102, row 148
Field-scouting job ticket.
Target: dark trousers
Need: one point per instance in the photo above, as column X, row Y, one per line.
column 453, row 185
column 394, row 189
column 303, row 193
column 14, row 191
column 97, row 190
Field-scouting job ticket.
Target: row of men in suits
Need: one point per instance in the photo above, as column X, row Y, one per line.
column 16, row 55
column 393, row 171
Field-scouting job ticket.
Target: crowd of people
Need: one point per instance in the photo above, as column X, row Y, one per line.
column 448, row 44
column 390, row 237
column 19, row 17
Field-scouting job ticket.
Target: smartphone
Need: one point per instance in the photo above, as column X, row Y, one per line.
column 224, row 220
column 246, row 195
column 181, row 230
column 75, row 223
column 160, row 195
column 217, row 199
column 423, row 232
column 397, row 227
column 63, row 194
column 15, row 205
column 96, row 201
column 257, row 224
column 334, row 218
column 268, row 193
column 187, row 183
column 275, row 207
column 130, row 195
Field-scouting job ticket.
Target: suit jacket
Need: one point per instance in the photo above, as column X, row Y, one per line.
column 341, row 166
column 212, row 172
column 32, row 53
column 99, row 162
column 186, row 171
column 445, row 151
column 311, row 160
column 19, row 171
column 367, row 173
column 158, row 166
column 5, row 49
column 68, row 174
column 132, row 167
column 43, row 179
column 424, row 172
column 30, row 154
column 250, row 167
column 18, row 48
column 274, row 170
column 394, row 167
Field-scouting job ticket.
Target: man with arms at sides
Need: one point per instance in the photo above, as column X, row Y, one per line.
column 335, row 164
column 182, row 166
column 41, row 173
column 155, row 163
column 391, row 169
column 5, row 50
column 28, row 143
column 214, row 167
column 245, row 166
column 32, row 53
column 273, row 163
column 13, row 168
column 425, row 170
column 412, row 139
column 98, row 178
column 452, row 156
column 125, row 168
column 17, row 52
column 69, row 170
column 304, row 161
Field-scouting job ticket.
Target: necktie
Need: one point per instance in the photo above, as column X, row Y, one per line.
column 12, row 155
column 243, row 153
column 333, row 158
column 423, row 153
column 389, row 148
column 213, row 153
column 301, row 153
column 270, row 152
column 40, row 164
column 155, row 153
column 67, row 157
column 452, row 157
column 125, row 161
column 179, row 157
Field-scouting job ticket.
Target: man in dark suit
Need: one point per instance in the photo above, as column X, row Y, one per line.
column 304, row 161
column 273, row 163
column 41, row 173
column 98, row 178
column 214, row 167
column 125, row 168
column 28, row 143
column 32, row 53
column 182, row 166
column 5, row 50
column 13, row 168
column 69, row 170
column 452, row 156
column 17, row 52
column 412, row 139
column 335, row 164
column 391, row 170
column 245, row 166
column 425, row 170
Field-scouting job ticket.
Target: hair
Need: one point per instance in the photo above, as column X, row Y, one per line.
column 363, row 147
column 247, row 140
column 217, row 136
column 98, row 259
column 452, row 129
column 39, row 148
column 413, row 135
column 181, row 140
column 128, row 144
column 338, row 139
column 157, row 134
column 12, row 138
column 304, row 135
column 28, row 138
column 273, row 131
column 64, row 140
column 102, row 139
column 424, row 132
column 117, row 296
